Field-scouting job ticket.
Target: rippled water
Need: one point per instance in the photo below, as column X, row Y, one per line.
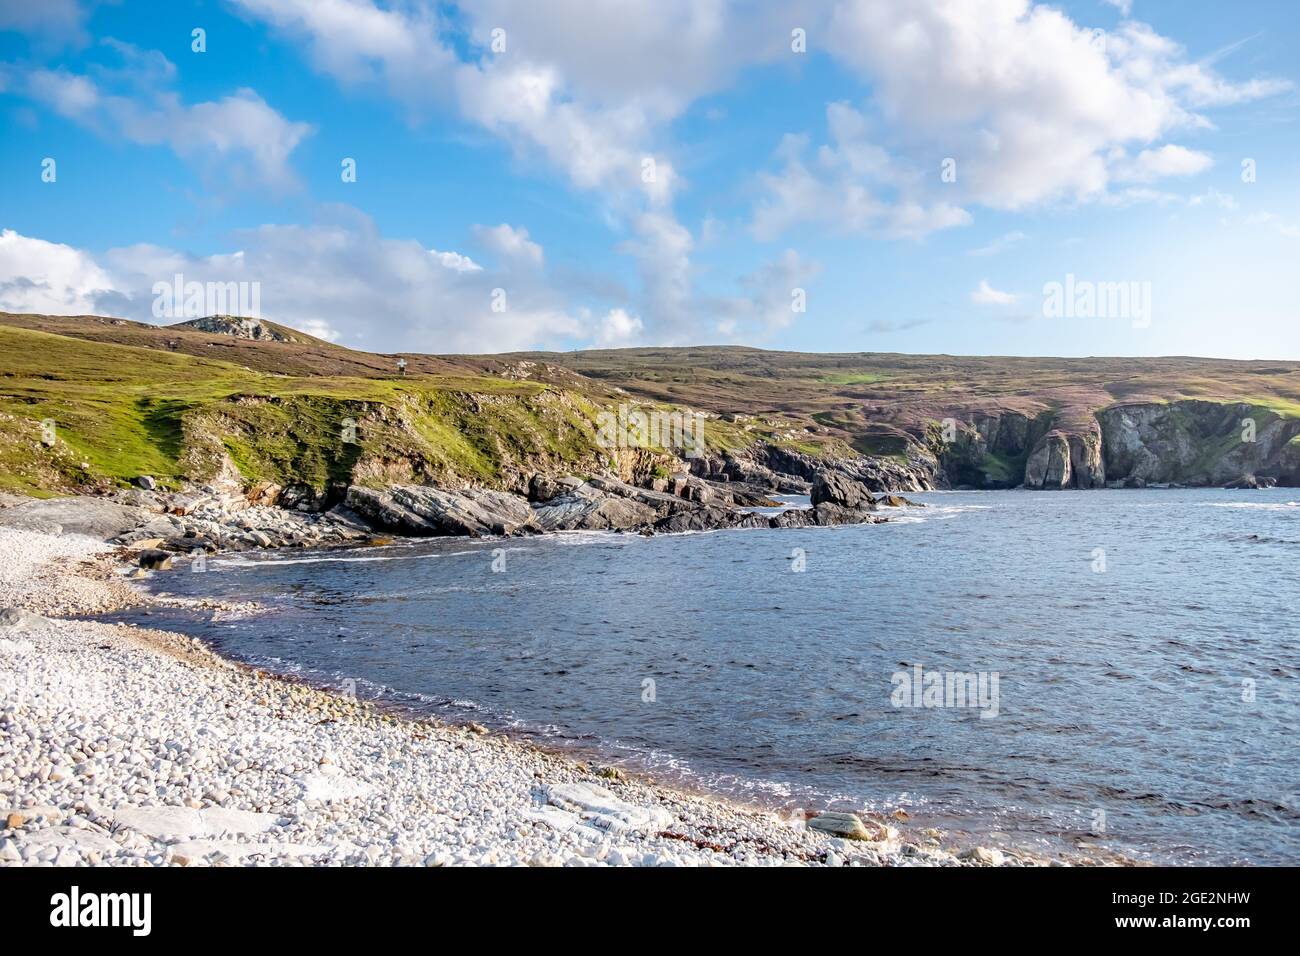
column 1145, row 645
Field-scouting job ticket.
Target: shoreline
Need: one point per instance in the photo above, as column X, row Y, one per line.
column 135, row 746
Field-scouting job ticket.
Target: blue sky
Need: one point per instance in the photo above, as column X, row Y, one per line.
column 664, row 171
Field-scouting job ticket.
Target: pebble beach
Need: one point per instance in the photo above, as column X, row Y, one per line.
column 127, row 746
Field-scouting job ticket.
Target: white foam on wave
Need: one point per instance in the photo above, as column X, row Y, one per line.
column 1262, row 505
column 579, row 537
column 931, row 512
column 240, row 562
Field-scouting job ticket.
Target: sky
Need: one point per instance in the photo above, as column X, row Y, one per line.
column 1099, row 177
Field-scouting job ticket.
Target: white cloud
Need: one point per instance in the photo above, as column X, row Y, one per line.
column 50, row 23
column 618, row 330
column 1258, row 219
column 509, row 242
column 775, row 295
column 597, row 148
column 591, row 110
column 664, row 54
column 778, row 292
column 331, row 280
column 1125, row 7
column 66, row 93
column 48, row 277
column 1000, row 244
column 1145, row 58
column 238, row 137
column 1029, row 104
column 1034, row 107
column 1212, row 195
column 985, row 294
column 1167, row 160
column 597, row 112
column 455, row 261
column 358, row 42
column 662, row 247
column 851, row 186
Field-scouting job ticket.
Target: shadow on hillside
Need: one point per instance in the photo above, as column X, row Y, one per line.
column 162, row 423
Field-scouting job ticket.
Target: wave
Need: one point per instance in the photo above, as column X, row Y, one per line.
column 1262, row 505
column 241, row 562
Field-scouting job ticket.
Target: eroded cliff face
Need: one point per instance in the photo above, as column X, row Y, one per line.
column 1199, row 443
column 1194, row 443
column 793, row 472
column 1062, row 459
column 990, row 451
column 318, row 446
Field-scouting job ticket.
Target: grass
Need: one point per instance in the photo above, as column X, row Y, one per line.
column 129, row 398
column 125, row 411
column 1001, row 469
column 852, row 378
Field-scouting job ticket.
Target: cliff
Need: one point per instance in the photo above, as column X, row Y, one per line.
column 90, row 403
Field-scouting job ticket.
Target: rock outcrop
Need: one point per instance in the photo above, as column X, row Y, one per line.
column 589, row 510
column 836, row 488
column 1195, row 443
column 1061, row 460
column 1199, row 443
column 567, row 503
column 785, row 471
column 418, row 510
column 99, row 518
column 240, row 328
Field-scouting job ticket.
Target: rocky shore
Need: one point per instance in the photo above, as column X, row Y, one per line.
column 126, row 746
column 230, row 516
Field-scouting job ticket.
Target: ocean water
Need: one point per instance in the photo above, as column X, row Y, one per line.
column 1133, row 658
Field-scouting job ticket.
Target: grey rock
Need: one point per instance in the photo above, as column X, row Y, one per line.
column 1165, row 443
column 794, row 518
column 579, row 511
column 836, row 488
column 1252, row 482
column 1048, row 466
column 898, row 501
column 846, row 826
column 238, row 327
column 709, row 518
column 345, row 519
column 691, row 488
column 423, row 511
column 827, row 514
column 747, row 496
column 160, row 528
column 16, row 617
column 146, row 482
column 662, row 502
column 983, row 856
column 153, row 559
column 96, row 517
column 543, row 488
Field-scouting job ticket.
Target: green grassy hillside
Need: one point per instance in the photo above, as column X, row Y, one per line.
column 128, row 398
column 120, row 411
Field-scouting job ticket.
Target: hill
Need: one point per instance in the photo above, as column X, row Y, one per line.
column 213, row 397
